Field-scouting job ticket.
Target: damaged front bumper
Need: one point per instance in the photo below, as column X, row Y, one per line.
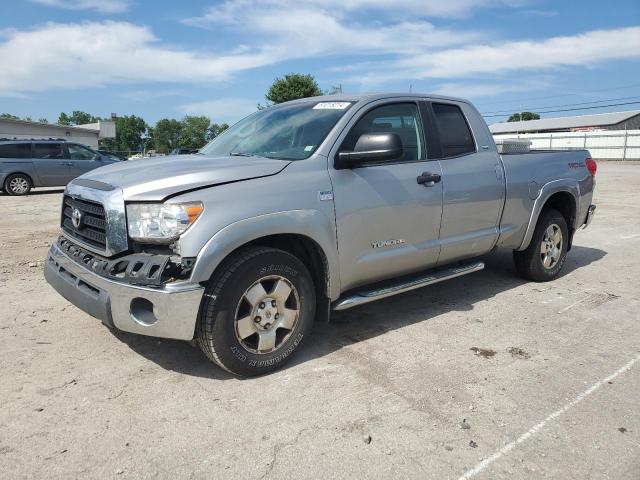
column 167, row 310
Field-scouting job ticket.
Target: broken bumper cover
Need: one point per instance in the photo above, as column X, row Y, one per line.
column 170, row 311
column 590, row 213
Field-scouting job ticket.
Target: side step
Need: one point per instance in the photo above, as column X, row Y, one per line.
column 407, row 284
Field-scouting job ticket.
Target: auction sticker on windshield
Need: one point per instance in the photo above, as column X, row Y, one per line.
column 331, row 105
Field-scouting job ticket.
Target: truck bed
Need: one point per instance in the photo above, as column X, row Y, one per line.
column 526, row 177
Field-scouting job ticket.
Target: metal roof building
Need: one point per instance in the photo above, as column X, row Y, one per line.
column 600, row 121
column 85, row 134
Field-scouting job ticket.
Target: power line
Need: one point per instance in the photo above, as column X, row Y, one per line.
column 623, row 87
column 576, row 109
column 532, row 109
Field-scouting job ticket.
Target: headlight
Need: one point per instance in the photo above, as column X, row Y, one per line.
column 161, row 222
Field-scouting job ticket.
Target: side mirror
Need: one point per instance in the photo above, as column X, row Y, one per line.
column 371, row 147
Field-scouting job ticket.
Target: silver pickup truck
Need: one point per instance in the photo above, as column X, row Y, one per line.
column 309, row 206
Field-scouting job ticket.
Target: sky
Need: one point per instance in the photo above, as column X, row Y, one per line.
column 166, row 59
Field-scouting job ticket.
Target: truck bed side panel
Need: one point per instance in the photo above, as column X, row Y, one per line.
column 531, row 179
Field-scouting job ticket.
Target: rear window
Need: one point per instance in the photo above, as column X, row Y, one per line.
column 455, row 134
column 15, row 150
column 48, row 150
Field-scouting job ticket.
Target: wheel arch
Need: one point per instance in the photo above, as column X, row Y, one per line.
column 307, row 235
column 561, row 195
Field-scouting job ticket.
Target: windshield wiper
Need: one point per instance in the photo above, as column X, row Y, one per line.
column 243, row 154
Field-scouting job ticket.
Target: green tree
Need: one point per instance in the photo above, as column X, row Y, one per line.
column 166, row 135
column 129, row 132
column 43, row 120
column 195, row 131
column 518, row 117
column 216, row 129
column 8, row 115
column 77, row 117
column 64, row 119
column 291, row 87
column 149, row 142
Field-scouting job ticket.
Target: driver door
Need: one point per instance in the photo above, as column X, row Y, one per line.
column 387, row 223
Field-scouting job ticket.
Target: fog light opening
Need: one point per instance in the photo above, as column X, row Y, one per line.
column 141, row 311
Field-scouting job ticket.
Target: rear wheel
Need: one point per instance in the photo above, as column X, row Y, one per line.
column 18, row 184
column 547, row 252
column 257, row 310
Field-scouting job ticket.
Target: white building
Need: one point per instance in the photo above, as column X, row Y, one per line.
column 88, row 134
column 582, row 123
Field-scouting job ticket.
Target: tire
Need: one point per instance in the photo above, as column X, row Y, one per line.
column 250, row 331
column 547, row 252
column 18, row 184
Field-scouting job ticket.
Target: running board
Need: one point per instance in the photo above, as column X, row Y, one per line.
column 424, row 279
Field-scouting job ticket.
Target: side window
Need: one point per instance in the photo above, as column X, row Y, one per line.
column 15, row 150
column 52, row 151
column 399, row 118
column 455, row 135
column 78, row 152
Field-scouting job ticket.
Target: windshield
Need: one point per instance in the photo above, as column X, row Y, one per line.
column 291, row 132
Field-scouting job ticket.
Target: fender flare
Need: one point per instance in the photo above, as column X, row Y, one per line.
column 312, row 224
column 568, row 185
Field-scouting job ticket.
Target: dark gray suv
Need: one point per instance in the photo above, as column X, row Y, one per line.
column 25, row 164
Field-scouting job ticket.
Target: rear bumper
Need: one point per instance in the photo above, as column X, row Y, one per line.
column 170, row 311
column 590, row 213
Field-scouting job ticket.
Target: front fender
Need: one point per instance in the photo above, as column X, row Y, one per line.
column 309, row 223
column 548, row 189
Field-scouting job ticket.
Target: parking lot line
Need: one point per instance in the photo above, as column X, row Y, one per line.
column 539, row 426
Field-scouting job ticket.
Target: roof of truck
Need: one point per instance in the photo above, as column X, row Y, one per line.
column 356, row 97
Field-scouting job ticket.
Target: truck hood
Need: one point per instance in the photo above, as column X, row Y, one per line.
column 157, row 178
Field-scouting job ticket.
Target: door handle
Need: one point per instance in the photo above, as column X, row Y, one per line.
column 428, row 179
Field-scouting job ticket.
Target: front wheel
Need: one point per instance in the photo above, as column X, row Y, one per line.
column 547, row 252
column 17, row 184
column 257, row 309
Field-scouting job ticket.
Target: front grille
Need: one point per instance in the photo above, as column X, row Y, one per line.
column 93, row 226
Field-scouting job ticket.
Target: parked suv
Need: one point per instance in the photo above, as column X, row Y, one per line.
column 25, row 164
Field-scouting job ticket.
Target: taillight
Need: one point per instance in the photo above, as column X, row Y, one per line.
column 592, row 166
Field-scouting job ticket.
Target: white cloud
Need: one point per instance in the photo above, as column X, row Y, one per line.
column 479, row 89
column 304, row 29
column 228, row 110
column 230, row 11
column 103, row 6
column 587, row 49
column 583, row 49
column 95, row 54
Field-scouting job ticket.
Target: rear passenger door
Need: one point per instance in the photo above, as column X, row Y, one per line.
column 51, row 163
column 472, row 182
column 81, row 160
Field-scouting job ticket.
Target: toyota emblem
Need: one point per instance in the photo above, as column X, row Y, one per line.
column 76, row 217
